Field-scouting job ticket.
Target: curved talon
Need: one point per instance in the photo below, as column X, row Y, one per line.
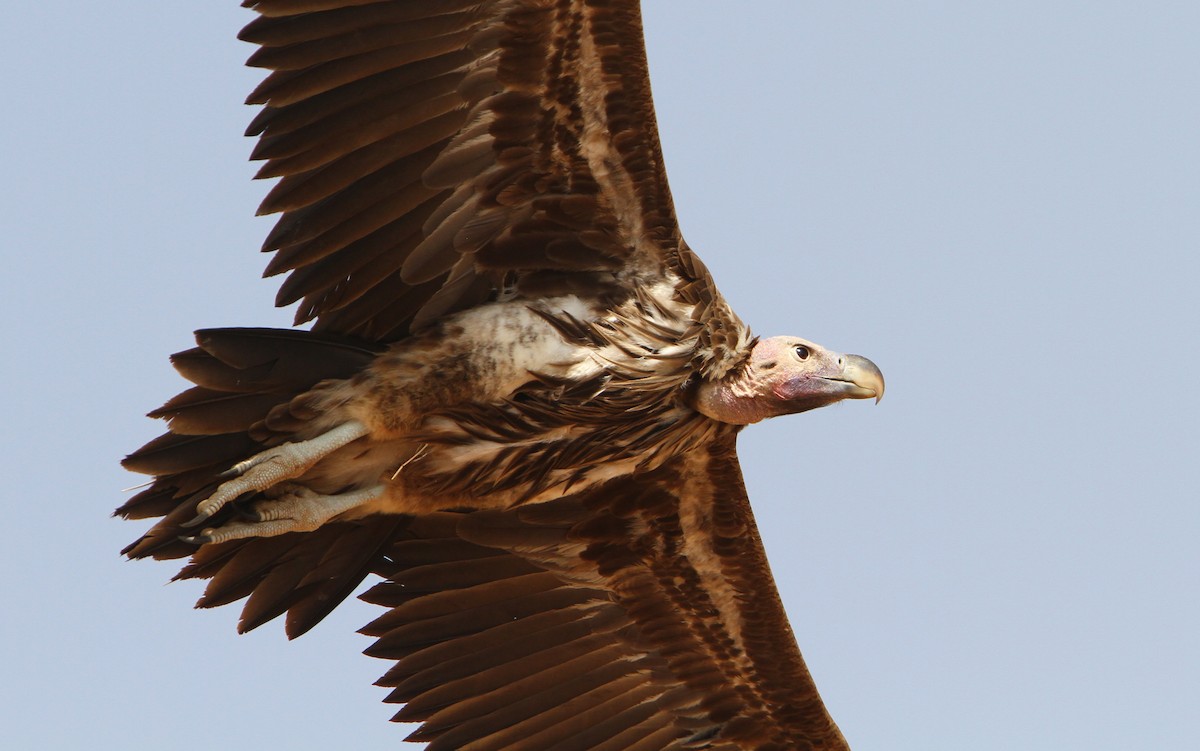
column 196, row 521
column 200, row 539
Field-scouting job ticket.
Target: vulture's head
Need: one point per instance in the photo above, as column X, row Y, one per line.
column 783, row 375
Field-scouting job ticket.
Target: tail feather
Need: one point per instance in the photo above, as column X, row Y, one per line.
column 241, row 376
column 286, row 359
column 172, row 454
column 203, row 411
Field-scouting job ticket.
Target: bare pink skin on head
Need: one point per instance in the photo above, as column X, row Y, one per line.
column 784, row 375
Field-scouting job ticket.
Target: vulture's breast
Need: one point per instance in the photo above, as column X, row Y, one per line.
column 520, row 401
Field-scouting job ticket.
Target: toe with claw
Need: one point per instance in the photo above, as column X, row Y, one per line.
column 273, row 466
column 298, row 509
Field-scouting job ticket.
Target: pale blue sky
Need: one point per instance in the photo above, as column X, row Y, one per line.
column 995, row 201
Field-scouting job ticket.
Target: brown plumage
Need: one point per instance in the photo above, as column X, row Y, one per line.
column 518, row 401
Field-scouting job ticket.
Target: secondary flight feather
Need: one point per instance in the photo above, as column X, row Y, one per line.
column 518, row 399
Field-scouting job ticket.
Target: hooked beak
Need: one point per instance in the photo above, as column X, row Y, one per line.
column 862, row 377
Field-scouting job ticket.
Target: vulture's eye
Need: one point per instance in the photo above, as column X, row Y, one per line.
column 802, row 351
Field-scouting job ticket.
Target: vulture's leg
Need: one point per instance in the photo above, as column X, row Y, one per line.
column 297, row 509
column 275, row 465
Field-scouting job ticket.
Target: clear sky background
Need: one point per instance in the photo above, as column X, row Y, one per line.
column 995, row 201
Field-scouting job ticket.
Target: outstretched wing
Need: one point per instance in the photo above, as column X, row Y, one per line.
column 640, row 615
column 435, row 154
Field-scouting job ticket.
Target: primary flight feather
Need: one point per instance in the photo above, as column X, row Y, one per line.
column 518, row 400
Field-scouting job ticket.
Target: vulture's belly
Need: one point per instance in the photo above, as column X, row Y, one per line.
column 502, row 408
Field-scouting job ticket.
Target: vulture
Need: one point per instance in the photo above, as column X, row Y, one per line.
column 517, row 403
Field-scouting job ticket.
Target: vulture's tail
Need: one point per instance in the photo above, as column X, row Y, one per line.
column 240, row 376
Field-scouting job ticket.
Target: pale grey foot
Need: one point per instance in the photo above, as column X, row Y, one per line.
column 296, row 509
column 275, row 465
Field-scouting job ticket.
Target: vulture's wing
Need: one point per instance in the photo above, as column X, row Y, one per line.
column 642, row 615
column 648, row 619
column 434, row 154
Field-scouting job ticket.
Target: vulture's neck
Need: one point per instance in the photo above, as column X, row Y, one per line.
column 737, row 399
